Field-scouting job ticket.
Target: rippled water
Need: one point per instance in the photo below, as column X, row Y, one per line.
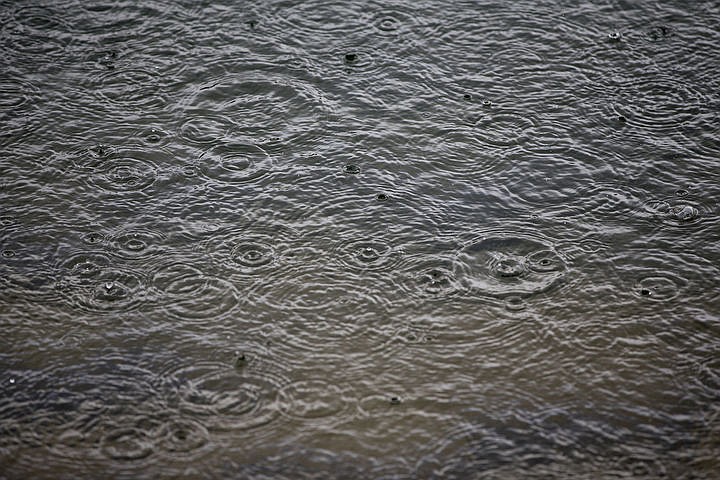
column 396, row 239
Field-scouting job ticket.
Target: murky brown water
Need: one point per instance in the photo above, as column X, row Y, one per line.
column 321, row 239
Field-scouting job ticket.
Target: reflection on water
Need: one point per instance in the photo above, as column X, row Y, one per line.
column 359, row 240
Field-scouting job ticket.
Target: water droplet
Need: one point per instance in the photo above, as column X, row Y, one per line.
column 92, row 238
column 240, row 360
column 368, row 254
column 684, row 213
column 374, row 254
column 99, row 150
column 658, row 288
column 544, row 261
column 509, row 267
column 154, row 136
column 252, row 254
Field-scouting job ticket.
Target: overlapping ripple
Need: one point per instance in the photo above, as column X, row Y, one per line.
column 238, row 400
column 511, row 265
column 235, row 163
column 130, row 87
column 118, row 171
column 252, row 105
column 189, row 294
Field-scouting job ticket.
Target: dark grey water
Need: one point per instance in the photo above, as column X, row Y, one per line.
column 318, row 239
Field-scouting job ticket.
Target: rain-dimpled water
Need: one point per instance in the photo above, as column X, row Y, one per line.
column 380, row 240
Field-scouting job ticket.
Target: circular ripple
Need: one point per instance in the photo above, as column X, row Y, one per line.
column 182, row 436
column 430, row 278
column 84, row 268
column 395, row 21
column 188, row 294
column 39, row 18
column 254, row 250
column 459, row 151
column 388, row 23
column 657, row 288
column 515, row 303
column 361, row 255
column 355, row 59
column 250, row 255
column 253, row 106
column 225, row 398
column 153, row 136
column 113, row 290
column 137, row 243
column 235, row 163
column 660, row 103
column 667, row 276
column 36, row 30
column 127, row 443
column 315, row 401
column 465, row 449
column 502, row 128
column 124, row 171
column 501, row 266
column 130, row 87
column 93, row 238
column 126, row 174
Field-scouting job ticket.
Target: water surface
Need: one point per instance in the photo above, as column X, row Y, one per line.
column 324, row 239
